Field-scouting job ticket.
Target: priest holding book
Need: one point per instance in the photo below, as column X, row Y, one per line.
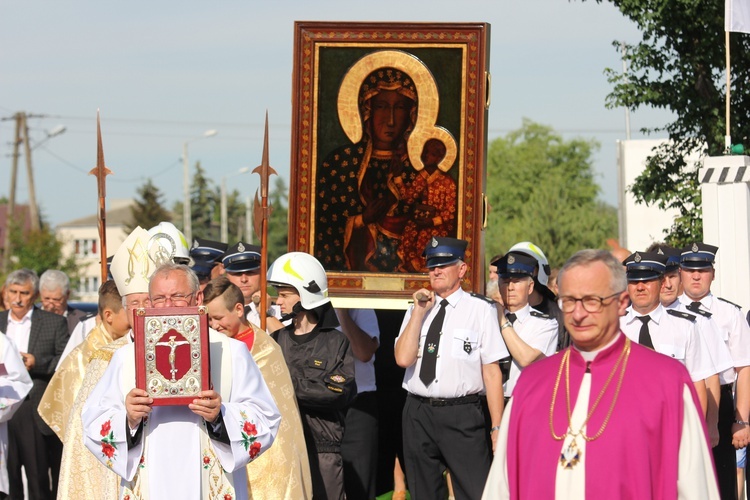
column 198, row 451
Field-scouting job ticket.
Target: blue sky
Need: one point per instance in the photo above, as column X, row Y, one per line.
column 164, row 72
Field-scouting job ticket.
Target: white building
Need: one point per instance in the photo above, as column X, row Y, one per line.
column 726, row 220
column 80, row 239
column 640, row 225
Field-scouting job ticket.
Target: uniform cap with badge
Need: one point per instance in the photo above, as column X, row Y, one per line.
column 698, row 255
column 673, row 257
column 645, row 266
column 515, row 265
column 241, row 257
column 543, row 271
column 442, row 251
column 206, row 254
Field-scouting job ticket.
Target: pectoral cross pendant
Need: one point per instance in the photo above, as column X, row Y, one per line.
column 570, row 455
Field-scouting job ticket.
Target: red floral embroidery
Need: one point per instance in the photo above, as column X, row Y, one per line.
column 250, row 429
column 108, row 450
column 249, row 441
column 227, row 497
column 206, row 460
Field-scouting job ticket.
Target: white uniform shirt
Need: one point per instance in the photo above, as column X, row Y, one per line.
column 364, row 371
column 470, row 338
column 20, row 331
column 732, row 329
column 253, row 316
column 717, row 350
column 538, row 332
column 672, row 336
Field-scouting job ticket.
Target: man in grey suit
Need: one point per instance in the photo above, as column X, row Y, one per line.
column 54, row 293
column 40, row 337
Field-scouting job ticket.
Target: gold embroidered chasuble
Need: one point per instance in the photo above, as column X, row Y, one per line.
column 82, row 476
column 58, row 399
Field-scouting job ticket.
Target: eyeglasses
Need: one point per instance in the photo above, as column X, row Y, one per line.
column 176, row 299
column 590, row 303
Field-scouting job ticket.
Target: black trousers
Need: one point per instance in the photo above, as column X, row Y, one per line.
column 440, row 437
column 359, row 448
column 725, row 457
column 27, row 447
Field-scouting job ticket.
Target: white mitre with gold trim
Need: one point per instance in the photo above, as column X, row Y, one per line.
column 131, row 265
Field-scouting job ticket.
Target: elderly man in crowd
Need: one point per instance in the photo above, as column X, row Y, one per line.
column 54, row 293
column 40, row 337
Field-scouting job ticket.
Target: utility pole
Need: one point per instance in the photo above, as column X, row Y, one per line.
column 33, row 209
column 7, row 249
column 22, row 135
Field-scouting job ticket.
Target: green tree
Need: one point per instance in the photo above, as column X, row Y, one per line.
column 278, row 223
column 679, row 65
column 39, row 251
column 204, row 207
column 148, row 210
column 541, row 188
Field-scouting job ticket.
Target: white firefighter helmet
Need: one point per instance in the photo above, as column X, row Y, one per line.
column 167, row 243
column 530, row 249
column 305, row 274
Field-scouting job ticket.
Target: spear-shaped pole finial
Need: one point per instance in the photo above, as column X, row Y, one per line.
column 101, row 171
column 264, row 170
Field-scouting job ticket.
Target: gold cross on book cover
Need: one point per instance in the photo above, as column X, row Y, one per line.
column 172, row 353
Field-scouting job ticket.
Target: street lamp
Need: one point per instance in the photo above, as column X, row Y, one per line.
column 187, row 223
column 53, row 132
column 224, row 228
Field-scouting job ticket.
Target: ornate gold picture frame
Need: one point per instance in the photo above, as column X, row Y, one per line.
column 388, row 149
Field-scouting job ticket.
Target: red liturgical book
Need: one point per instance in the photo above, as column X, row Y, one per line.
column 172, row 353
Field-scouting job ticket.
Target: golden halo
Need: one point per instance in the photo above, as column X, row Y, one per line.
column 428, row 103
column 418, row 138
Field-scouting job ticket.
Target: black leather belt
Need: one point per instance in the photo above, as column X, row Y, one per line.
column 463, row 400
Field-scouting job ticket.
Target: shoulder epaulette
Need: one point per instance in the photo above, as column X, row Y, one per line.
column 538, row 314
column 728, row 302
column 702, row 313
column 680, row 314
column 483, row 297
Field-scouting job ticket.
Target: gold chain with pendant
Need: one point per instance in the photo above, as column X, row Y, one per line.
column 573, row 454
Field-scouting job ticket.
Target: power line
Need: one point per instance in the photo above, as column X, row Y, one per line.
column 114, row 178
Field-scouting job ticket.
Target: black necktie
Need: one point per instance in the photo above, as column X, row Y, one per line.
column 694, row 307
column 644, row 337
column 511, row 317
column 431, row 344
